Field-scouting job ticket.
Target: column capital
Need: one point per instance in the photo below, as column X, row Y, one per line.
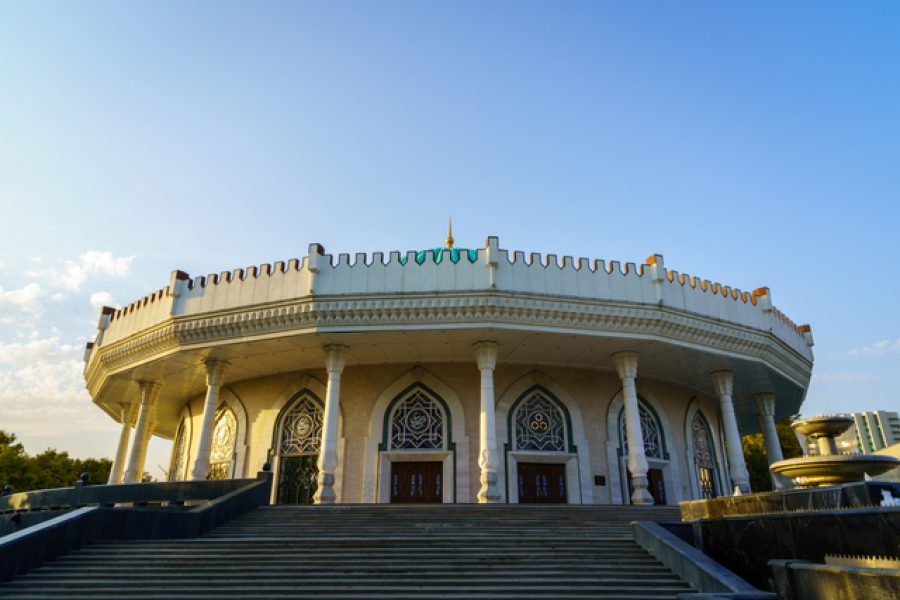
column 149, row 392
column 765, row 402
column 334, row 357
column 626, row 364
column 486, row 353
column 127, row 412
column 215, row 371
column 724, row 382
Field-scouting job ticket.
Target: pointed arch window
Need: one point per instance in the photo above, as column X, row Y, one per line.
column 654, row 439
column 417, row 422
column 221, row 460
column 704, row 456
column 179, row 455
column 539, row 424
column 301, row 429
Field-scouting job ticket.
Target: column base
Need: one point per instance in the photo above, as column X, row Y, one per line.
column 744, row 486
column 489, row 492
column 641, row 493
column 325, row 491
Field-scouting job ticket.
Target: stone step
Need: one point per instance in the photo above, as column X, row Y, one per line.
column 426, row 570
column 241, row 588
column 349, row 580
column 388, row 554
column 405, row 594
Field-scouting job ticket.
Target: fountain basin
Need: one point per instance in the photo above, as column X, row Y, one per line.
column 827, row 426
column 834, row 469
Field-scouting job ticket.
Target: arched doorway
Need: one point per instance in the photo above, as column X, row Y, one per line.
column 298, row 437
column 539, row 450
column 179, row 461
column 418, row 458
column 706, row 469
column 222, row 454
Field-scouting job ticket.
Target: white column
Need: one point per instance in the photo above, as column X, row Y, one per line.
column 215, row 374
column 486, row 356
column 334, row 364
column 626, row 365
column 142, row 432
column 724, row 383
column 766, row 405
column 118, row 466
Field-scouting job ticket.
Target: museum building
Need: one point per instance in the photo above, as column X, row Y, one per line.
column 451, row 375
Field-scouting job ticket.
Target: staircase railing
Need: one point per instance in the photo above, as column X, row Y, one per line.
column 97, row 513
column 172, row 492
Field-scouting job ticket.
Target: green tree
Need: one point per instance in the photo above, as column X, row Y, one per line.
column 49, row 469
column 755, row 453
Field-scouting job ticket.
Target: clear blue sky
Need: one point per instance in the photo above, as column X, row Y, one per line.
column 753, row 144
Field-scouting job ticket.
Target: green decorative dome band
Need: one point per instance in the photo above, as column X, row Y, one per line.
column 438, row 254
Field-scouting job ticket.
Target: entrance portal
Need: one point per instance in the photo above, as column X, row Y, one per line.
column 416, row 482
column 542, row 483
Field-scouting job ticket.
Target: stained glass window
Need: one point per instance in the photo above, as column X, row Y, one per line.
column 704, row 459
column 539, row 425
column 224, row 435
column 301, row 429
column 180, row 456
column 417, row 423
column 653, row 441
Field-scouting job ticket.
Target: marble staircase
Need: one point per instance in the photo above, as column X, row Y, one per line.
column 376, row 552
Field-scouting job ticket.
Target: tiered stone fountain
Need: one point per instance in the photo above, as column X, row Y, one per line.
column 829, row 467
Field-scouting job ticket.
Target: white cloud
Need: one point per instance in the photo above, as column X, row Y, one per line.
column 37, row 350
column 22, row 306
column 880, row 348
column 75, row 273
column 42, row 390
column 842, row 377
column 101, row 299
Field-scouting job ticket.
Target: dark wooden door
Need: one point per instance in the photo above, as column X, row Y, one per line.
column 657, row 486
column 542, row 483
column 416, row 482
column 655, row 483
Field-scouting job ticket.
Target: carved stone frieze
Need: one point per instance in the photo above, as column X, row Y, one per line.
column 531, row 312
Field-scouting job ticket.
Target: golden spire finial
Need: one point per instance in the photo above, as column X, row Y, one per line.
column 449, row 239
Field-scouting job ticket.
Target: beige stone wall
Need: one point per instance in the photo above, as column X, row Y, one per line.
column 592, row 392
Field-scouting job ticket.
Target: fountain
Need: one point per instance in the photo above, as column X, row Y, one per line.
column 829, row 467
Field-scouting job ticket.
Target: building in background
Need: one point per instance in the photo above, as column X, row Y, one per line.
column 871, row 431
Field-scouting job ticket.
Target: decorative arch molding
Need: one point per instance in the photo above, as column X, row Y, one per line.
column 617, row 460
column 718, row 449
column 184, row 435
column 455, row 456
column 576, row 458
column 270, row 421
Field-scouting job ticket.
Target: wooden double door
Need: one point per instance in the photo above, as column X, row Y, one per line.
column 417, row 482
column 541, row 483
column 655, row 483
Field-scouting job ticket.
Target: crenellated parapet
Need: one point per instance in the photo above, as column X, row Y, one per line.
column 367, row 283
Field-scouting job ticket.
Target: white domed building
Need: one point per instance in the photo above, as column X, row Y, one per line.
column 451, row 375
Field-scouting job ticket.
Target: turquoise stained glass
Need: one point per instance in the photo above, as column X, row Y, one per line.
column 438, row 255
